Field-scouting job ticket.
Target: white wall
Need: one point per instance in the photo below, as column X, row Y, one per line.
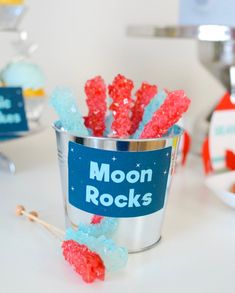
column 81, row 38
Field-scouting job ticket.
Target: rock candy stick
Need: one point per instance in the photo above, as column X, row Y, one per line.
column 120, row 92
column 95, row 90
column 89, row 256
column 107, row 226
column 143, row 97
column 64, row 102
column 149, row 110
column 85, row 262
column 167, row 115
column 114, row 257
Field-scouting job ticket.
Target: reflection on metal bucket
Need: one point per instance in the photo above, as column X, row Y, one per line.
column 137, row 197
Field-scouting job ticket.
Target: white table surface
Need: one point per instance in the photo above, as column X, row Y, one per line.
column 196, row 253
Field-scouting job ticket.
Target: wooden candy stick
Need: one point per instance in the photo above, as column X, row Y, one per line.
column 89, row 256
column 33, row 216
column 85, row 262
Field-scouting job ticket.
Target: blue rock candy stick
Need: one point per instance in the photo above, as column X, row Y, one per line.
column 113, row 256
column 107, row 227
column 150, row 109
column 108, row 124
column 108, row 119
column 64, row 103
column 109, row 102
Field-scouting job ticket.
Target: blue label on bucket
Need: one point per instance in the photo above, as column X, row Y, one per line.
column 117, row 183
column 12, row 111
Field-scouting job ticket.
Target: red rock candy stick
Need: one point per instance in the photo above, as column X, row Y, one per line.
column 85, row 262
column 120, row 92
column 143, row 97
column 95, row 90
column 167, row 115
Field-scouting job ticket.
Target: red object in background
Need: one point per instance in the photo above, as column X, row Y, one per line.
column 225, row 103
column 230, row 159
column 186, row 147
column 206, row 157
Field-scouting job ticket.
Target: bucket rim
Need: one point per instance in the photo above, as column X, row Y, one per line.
column 176, row 131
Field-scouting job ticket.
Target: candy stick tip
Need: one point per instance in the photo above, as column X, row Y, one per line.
column 19, row 210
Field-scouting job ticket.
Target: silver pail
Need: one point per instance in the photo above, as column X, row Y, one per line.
column 127, row 179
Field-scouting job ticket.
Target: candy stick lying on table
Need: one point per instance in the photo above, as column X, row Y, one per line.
column 89, row 256
column 99, row 225
column 33, row 216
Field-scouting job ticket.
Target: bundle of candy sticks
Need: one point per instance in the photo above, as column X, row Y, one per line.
column 149, row 115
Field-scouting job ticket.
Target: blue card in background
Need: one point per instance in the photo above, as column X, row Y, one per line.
column 195, row 12
column 12, row 111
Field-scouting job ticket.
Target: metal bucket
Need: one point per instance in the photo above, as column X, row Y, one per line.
column 127, row 179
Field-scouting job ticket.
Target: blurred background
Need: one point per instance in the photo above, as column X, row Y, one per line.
column 80, row 39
